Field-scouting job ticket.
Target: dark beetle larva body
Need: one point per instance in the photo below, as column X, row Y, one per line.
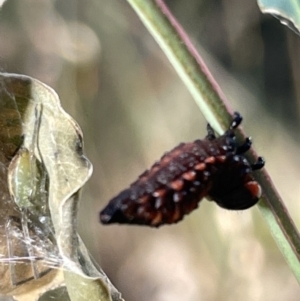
column 212, row 167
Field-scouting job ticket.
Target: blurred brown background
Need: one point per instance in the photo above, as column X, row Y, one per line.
column 115, row 81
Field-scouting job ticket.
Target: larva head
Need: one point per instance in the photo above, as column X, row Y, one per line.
column 243, row 197
column 235, row 188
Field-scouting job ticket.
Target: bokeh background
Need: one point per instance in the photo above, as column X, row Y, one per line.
column 116, row 82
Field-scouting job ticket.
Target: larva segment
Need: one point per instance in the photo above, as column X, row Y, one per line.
column 173, row 186
column 166, row 205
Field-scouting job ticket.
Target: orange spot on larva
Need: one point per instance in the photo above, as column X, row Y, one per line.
column 143, row 199
column 210, row 160
column 159, row 193
column 176, row 215
column 155, row 169
column 189, row 176
column 200, row 166
column 254, row 188
column 157, row 219
column 177, row 185
column 221, row 158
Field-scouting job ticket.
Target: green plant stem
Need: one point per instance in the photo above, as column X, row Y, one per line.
column 186, row 61
column 193, row 72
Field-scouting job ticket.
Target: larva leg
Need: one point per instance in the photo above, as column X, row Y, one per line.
column 210, row 132
column 237, row 120
column 244, row 147
column 259, row 164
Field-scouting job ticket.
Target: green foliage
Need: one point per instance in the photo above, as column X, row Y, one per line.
column 287, row 11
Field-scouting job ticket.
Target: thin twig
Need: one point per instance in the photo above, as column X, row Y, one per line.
column 190, row 67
